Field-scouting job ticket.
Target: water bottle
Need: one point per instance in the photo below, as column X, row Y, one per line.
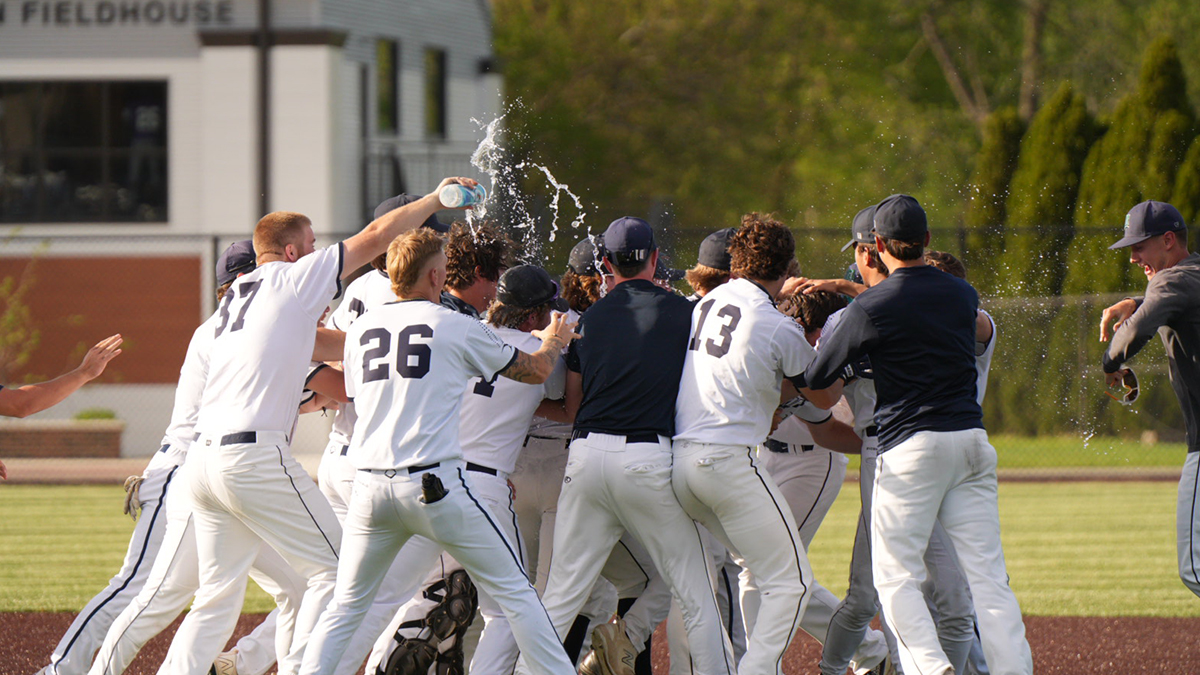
column 457, row 196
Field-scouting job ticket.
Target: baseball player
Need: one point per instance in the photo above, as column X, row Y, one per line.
column 412, row 479
column 246, row 486
column 1156, row 237
column 478, row 255
column 712, row 264
column 918, row 327
column 740, row 350
column 621, row 375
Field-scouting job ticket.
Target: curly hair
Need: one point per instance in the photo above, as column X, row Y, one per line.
column 946, row 262
column 507, row 316
column 762, row 248
column 812, row 310
column 483, row 246
column 703, row 278
column 580, row 290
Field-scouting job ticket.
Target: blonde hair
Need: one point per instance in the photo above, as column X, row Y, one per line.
column 407, row 256
column 277, row 229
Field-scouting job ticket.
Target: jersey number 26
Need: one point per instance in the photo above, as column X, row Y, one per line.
column 412, row 358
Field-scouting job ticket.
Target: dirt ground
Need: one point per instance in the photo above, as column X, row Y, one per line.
column 1061, row 645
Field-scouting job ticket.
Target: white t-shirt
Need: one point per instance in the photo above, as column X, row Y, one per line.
column 264, row 341
column 364, row 293
column 406, row 366
column 740, row 350
column 495, row 416
column 983, row 361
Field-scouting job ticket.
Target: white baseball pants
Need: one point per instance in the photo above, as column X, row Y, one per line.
column 385, row 512
column 949, row 476
column 1187, row 522
column 723, row 488
column 612, row 486
column 246, row 494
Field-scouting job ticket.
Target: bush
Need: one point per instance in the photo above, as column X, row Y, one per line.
column 95, row 414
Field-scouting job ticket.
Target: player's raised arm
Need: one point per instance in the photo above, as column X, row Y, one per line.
column 375, row 237
column 536, row 367
column 32, row 398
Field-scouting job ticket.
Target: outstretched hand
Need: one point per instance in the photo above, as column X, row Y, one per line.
column 453, row 180
column 1114, row 316
column 560, row 329
column 98, row 356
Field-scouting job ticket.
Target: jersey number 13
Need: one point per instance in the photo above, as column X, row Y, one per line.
column 720, row 347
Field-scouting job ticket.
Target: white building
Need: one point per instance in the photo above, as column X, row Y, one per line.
column 138, row 137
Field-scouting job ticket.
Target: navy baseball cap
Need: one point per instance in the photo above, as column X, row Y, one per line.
column 863, row 228
column 583, row 256
column 664, row 273
column 628, row 240
column 900, row 217
column 714, row 250
column 400, row 200
column 238, row 259
column 1150, row 219
column 526, row 286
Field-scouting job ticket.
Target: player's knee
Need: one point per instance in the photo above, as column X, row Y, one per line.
column 1188, row 574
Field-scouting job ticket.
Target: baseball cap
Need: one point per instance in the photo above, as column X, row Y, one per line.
column 900, row 217
column 664, row 273
column 583, row 256
column 861, row 231
column 400, row 200
column 629, row 239
column 1150, row 219
column 238, row 259
column 526, row 286
column 714, row 250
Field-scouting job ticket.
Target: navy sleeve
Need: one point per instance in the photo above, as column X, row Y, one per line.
column 854, row 335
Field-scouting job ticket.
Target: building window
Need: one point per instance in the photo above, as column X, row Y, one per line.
column 435, row 93
column 387, row 66
column 74, row 152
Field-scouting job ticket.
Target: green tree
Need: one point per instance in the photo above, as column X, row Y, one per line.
column 1042, row 196
column 1186, row 195
column 988, row 194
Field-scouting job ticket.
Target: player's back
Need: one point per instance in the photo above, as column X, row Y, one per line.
column 264, row 341
column 740, row 350
column 363, row 294
column 406, row 365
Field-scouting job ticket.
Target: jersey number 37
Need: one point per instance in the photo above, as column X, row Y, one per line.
column 412, row 358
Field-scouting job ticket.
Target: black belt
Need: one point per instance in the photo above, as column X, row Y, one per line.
column 391, row 473
column 164, row 448
column 479, row 468
column 872, row 431
column 629, row 438
column 543, row 438
column 345, row 449
column 239, row 437
column 779, row 446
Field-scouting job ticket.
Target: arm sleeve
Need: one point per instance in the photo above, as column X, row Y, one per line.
column 556, row 384
column 853, row 337
column 1161, row 304
column 486, row 353
column 317, row 278
column 572, row 359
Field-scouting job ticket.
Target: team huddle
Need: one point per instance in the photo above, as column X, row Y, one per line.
column 575, row 460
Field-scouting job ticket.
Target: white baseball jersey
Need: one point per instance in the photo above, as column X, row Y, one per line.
column 495, row 416
column 983, row 360
column 406, row 365
column 370, row 290
column 264, row 341
column 740, row 350
column 860, row 392
column 544, row 428
column 796, row 432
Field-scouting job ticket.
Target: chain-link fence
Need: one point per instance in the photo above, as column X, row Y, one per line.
column 1046, row 406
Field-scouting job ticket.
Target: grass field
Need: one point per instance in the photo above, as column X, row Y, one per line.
column 1078, row 549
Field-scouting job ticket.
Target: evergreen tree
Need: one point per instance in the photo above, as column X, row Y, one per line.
column 1186, row 195
column 988, row 194
column 1042, row 196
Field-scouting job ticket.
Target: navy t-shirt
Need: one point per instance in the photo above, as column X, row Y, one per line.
column 918, row 328
column 630, row 353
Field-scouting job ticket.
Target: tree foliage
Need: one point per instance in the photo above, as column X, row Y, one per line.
column 1186, row 195
column 988, row 193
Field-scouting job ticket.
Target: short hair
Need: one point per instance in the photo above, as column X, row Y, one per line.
column 507, row 316
column 812, row 310
column 873, row 259
column 946, row 262
column 904, row 250
column 762, row 248
column 481, row 246
column 703, row 278
column 278, row 229
column 380, row 262
column 580, row 290
column 629, row 270
column 408, row 254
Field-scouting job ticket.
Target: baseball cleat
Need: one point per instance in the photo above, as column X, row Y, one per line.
column 590, row 665
column 614, row 652
column 226, row 663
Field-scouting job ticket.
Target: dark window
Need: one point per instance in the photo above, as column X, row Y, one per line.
column 387, row 65
column 435, row 93
column 75, row 152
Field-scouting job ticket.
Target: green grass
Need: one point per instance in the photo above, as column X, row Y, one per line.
column 1085, row 549
column 1067, row 452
